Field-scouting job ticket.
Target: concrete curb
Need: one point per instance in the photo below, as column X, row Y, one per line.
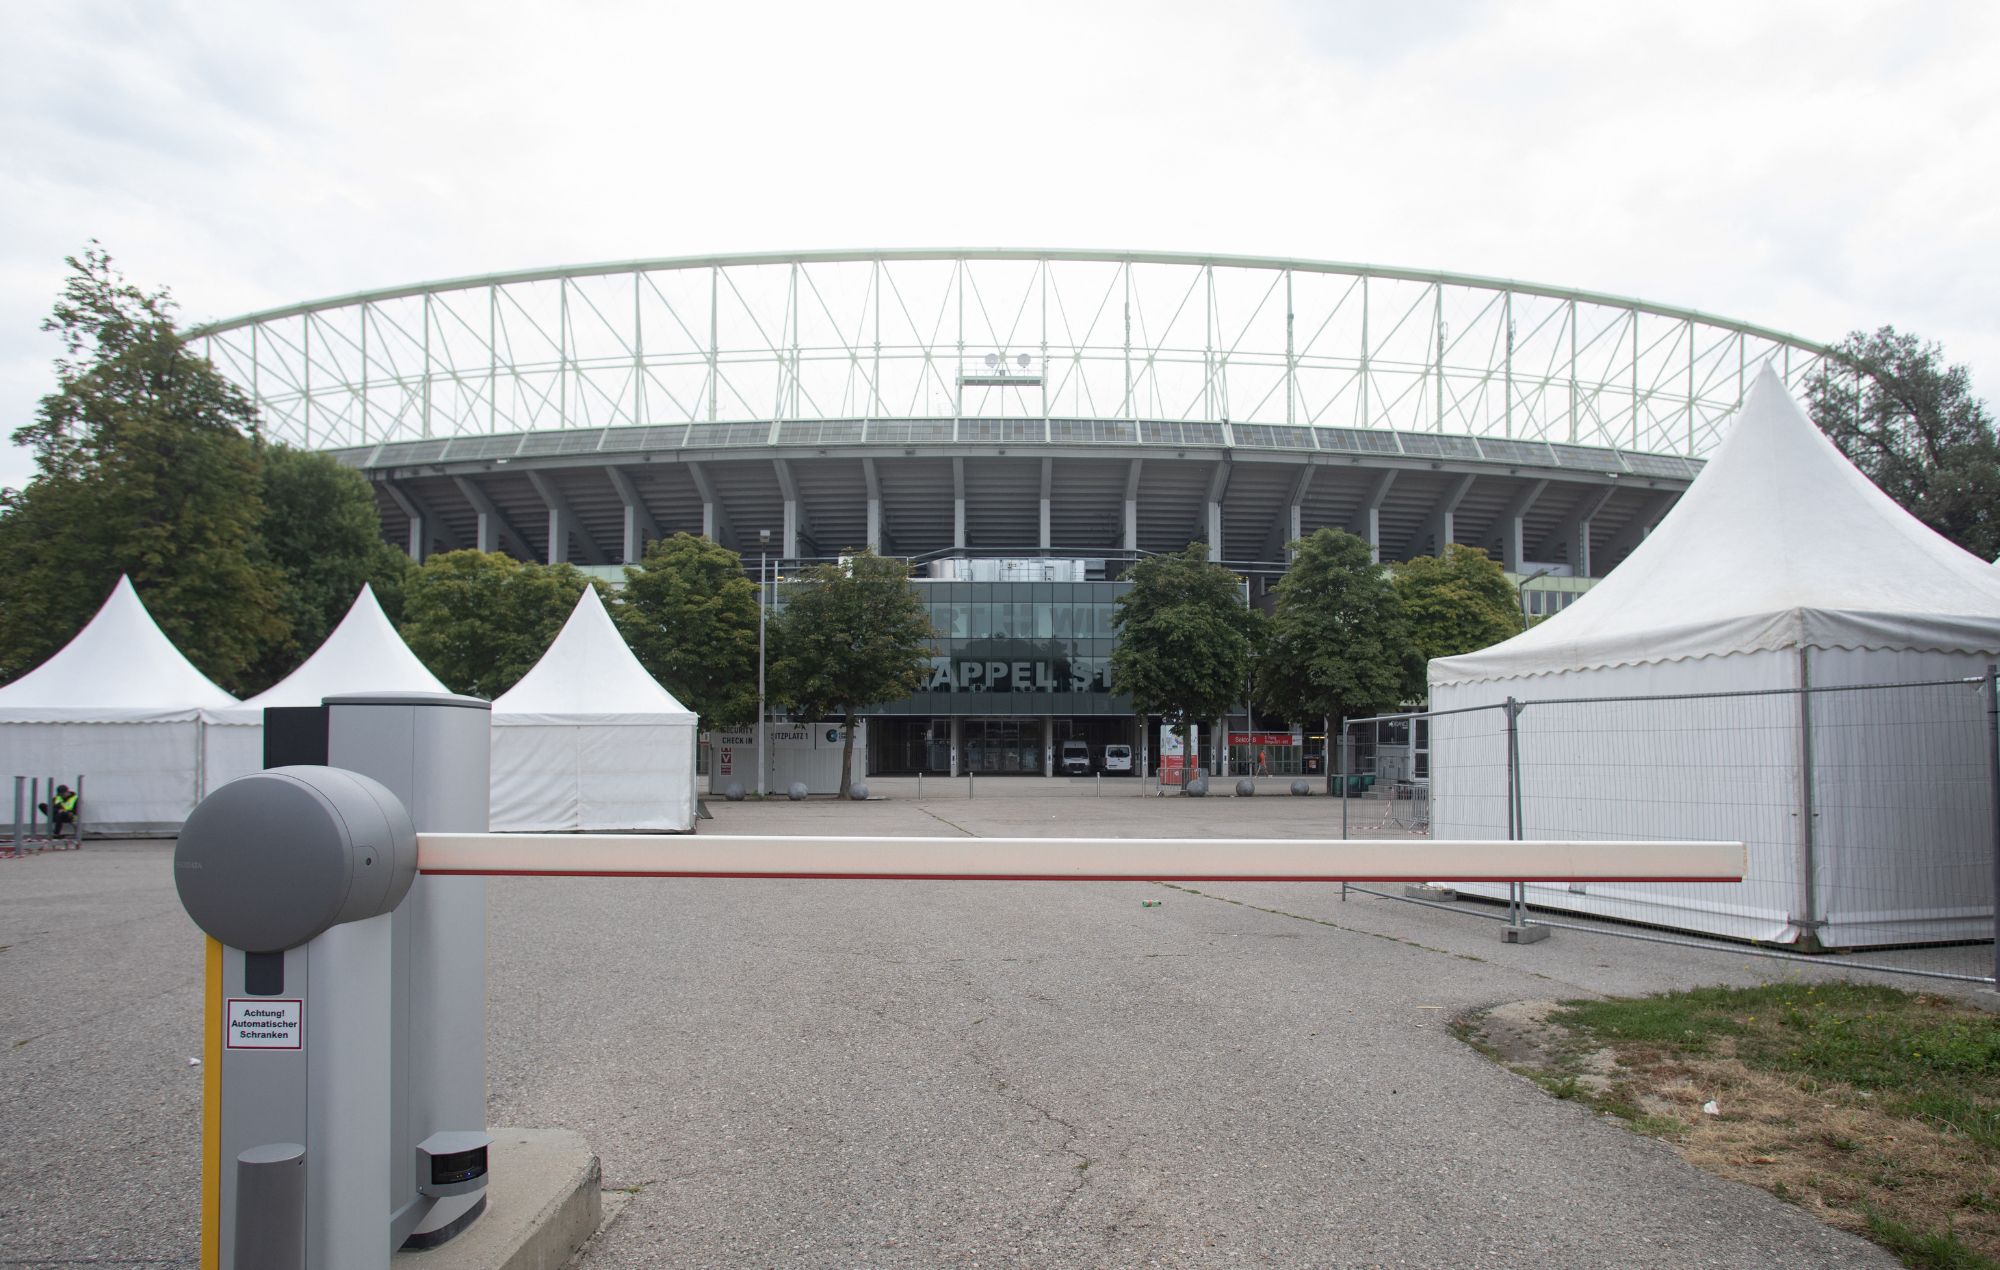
column 542, row 1205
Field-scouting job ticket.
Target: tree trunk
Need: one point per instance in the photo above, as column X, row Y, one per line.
column 847, row 755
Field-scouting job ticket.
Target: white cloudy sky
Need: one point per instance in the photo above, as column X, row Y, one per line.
column 1815, row 166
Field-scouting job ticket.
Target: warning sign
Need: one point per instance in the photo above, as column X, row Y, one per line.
column 265, row 1023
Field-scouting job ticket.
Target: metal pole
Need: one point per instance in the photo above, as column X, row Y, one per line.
column 1808, row 839
column 763, row 595
column 970, row 792
column 1344, row 725
column 1993, row 786
column 77, row 828
column 34, row 806
column 20, row 791
column 1515, row 896
column 920, row 786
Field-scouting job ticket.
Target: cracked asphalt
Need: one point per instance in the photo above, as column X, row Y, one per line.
column 833, row 1074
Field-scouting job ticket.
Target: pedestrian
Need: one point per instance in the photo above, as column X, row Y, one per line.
column 1263, row 766
column 60, row 809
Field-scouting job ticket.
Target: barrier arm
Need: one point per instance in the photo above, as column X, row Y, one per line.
column 1075, row 859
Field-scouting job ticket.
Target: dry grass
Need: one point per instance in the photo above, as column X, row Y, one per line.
column 1825, row 1098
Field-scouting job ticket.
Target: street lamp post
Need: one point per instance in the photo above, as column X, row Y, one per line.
column 1522, row 589
column 763, row 593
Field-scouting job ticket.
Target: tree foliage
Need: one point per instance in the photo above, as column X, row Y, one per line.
column 481, row 619
column 1912, row 424
column 321, row 530
column 1339, row 643
column 146, row 465
column 1185, row 639
column 850, row 635
column 1452, row 604
column 690, row 617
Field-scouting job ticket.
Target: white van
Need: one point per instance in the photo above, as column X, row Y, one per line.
column 1074, row 759
column 1118, row 758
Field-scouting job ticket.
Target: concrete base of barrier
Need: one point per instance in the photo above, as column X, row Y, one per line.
column 542, row 1204
column 1523, row 934
column 1436, row 894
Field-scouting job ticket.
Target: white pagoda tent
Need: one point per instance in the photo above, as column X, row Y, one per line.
column 120, row 706
column 1867, row 810
column 587, row 740
column 362, row 654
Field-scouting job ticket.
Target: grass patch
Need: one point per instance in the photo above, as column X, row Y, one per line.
column 1876, row 1109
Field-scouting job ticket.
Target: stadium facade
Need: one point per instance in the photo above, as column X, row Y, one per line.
column 1020, row 424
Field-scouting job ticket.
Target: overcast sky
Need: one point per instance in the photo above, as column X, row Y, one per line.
column 1815, row 167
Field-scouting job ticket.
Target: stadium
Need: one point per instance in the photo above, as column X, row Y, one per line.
column 1020, row 424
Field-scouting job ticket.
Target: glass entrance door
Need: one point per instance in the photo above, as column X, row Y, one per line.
column 1003, row 746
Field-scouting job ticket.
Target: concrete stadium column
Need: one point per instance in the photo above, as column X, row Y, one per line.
column 1440, row 528
column 1367, row 520
column 958, row 503
column 487, row 532
column 558, row 535
column 1217, row 484
column 425, row 527
column 639, row 523
column 571, row 525
column 1513, row 526
column 1048, row 469
column 714, row 516
column 1132, row 505
column 874, row 506
column 1572, row 536
column 791, row 528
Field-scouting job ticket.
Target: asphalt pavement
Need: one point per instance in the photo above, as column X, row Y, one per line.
column 832, row 1074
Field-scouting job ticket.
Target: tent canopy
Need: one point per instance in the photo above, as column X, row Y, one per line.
column 363, row 654
column 119, row 668
column 588, row 675
column 1779, row 543
column 588, row 741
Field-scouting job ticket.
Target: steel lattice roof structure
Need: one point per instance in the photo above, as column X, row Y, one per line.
column 1001, row 401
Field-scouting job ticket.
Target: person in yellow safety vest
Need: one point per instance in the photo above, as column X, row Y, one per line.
column 64, row 810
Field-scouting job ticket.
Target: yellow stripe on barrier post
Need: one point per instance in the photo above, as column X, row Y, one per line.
column 211, row 1108
column 1077, row 859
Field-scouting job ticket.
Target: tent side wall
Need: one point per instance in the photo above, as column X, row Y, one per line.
column 1692, row 768
column 1902, row 799
column 139, row 779
column 552, row 776
column 229, row 750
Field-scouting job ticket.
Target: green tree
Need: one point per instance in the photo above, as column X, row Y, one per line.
column 1339, row 644
column 321, row 530
column 481, row 619
column 1184, row 641
column 1912, row 424
column 146, row 465
column 1453, row 603
column 690, row 616
column 850, row 635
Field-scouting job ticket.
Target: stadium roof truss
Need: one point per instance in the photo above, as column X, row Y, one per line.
column 1088, row 337
column 931, row 401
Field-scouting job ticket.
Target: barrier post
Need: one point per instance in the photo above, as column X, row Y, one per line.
column 20, row 789
column 76, row 826
column 1517, row 931
column 432, row 750
column 1993, row 788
